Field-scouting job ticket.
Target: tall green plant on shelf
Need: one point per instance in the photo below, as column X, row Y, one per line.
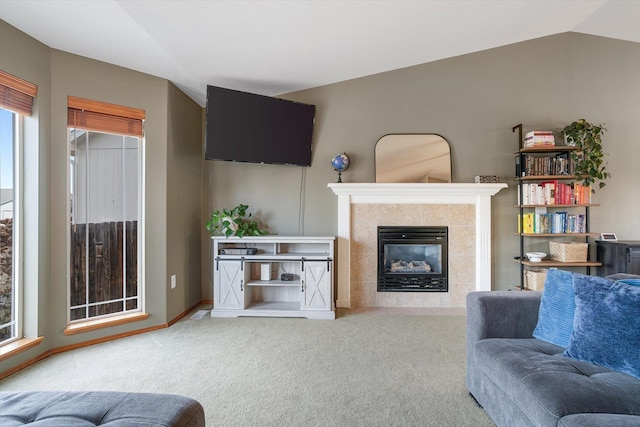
column 233, row 222
column 589, row 158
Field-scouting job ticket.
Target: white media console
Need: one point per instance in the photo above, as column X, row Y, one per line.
column 287, row 276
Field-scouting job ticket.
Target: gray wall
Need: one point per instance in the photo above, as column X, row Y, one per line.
column 184, row 190
column 173, row 162
column 87, row 78
column 473, row 101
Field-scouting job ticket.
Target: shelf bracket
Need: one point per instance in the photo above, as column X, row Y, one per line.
column 519, row 127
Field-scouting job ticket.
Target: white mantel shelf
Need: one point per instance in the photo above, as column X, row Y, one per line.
column 415, row 193
column 445, row 192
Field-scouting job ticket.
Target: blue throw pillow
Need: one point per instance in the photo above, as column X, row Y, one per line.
column 555, row 316
column 632, row 282
column 606, row 329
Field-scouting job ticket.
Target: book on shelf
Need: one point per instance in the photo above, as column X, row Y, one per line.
column 549, row 192
column 582, row 194
column 519, row 170
column 538, row 138
column 562, row 164
column 486, row 179
column 563, row 196
column 534, row 133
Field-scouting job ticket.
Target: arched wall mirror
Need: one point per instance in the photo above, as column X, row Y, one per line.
column 413, row 158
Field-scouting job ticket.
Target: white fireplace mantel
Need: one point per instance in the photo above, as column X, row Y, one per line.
column 449, row 193
column 415, row 193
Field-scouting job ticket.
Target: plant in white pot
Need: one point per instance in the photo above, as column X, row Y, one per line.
column 233, row 222
column 589, row 158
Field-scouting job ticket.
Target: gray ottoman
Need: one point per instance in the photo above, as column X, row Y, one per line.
column 98, row 408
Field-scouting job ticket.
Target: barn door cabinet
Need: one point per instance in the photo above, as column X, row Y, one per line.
column 229, row 285
column 273, row 276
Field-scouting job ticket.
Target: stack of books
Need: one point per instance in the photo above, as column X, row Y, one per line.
column 482, row 179
column 539, row 138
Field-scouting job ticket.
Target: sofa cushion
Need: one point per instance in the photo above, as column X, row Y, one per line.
column 547, row 386
column 606, row 328
column 599, row 420
column 555, row 317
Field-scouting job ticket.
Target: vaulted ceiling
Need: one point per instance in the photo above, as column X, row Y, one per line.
column 274, row 47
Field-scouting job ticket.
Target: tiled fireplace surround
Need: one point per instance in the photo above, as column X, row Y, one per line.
column 464, row 208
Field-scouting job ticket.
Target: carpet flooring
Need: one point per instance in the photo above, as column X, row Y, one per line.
column 366, row 368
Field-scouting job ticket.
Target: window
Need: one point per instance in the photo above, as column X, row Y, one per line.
column 16, row 99
column 105, row 200
column 9, row 289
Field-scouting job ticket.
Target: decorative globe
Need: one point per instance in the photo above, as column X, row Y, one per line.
column 340, row 162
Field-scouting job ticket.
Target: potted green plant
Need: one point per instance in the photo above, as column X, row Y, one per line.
column 233, row 222
column 588, row 158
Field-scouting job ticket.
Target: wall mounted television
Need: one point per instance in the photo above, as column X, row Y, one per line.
column 246, row 127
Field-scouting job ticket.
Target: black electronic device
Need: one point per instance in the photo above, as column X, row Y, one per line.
column 609, row 236
column 286, row 277
column 238, row 251
column 253, row 128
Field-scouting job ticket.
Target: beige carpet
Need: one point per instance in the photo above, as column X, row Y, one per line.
column 366, row 368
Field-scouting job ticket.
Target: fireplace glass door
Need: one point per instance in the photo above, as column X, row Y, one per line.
column 418, row 259
column 412, row 259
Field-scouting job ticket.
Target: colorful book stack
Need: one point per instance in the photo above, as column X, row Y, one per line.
column 539, row 138
column 551, row 223
column 555, row 193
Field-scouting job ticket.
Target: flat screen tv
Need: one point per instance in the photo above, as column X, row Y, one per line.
column 246, row 127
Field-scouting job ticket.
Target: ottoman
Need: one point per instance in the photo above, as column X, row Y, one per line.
column 98, row 408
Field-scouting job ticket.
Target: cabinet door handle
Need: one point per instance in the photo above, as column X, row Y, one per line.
column 241, row 285
column 302, row 287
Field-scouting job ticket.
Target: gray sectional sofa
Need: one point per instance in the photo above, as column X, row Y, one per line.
column 98, row 408
column 520, row 380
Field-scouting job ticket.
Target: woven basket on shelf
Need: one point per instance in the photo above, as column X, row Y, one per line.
column 534, row 279
column 568, row 251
